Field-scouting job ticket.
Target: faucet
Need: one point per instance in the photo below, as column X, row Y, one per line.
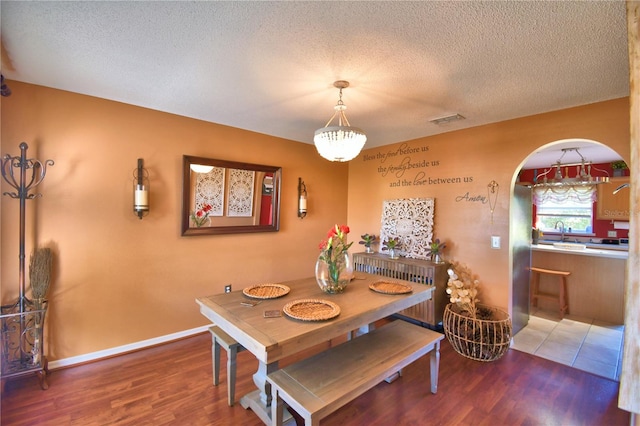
column 561, row 229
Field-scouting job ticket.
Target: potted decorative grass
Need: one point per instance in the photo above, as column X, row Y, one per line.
column 40, row 275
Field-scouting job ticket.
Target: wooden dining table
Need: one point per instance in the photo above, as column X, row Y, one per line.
column 272, row 339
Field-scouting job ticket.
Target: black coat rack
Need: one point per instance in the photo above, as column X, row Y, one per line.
column 23, row 322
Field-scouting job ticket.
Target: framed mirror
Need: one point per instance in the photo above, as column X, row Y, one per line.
column 228, row 197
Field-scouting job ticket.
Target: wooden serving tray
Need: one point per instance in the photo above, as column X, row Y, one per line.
column 311, row 310
column 266, row 291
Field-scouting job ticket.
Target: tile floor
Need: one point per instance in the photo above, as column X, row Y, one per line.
column 582, row 343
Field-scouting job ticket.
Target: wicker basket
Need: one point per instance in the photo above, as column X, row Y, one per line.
column 478, row 339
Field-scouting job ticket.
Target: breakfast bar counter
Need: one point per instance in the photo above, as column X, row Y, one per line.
column 596, row 284
column 576, row 249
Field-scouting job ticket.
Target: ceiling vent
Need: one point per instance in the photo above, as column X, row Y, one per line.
column 447, row 119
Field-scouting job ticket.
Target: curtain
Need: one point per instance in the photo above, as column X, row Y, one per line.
column 563, row 193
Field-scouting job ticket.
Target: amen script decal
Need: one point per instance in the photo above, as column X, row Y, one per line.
column 472, row 199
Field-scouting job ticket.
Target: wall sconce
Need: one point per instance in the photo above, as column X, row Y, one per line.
column 140, row 190
column 302, row 199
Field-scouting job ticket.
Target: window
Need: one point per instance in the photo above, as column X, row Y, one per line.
column 577, row 216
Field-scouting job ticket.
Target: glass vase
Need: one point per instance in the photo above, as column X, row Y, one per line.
column 334, row 275
column 368, row 249
column 393, row 253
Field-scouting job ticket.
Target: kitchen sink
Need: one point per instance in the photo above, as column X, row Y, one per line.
column 570, row 246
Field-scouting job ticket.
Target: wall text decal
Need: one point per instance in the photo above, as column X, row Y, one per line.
column 472, row 198
column 408, row 171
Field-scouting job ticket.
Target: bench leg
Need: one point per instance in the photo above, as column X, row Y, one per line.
column 395, row 376
column 216, row 362
column 435, row 365
column 277, row 405
column 231, row 374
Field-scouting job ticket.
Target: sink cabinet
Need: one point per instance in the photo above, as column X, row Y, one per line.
column 415, row 270
column 613, row 206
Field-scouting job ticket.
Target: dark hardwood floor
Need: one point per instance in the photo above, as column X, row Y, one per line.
column 171, row 384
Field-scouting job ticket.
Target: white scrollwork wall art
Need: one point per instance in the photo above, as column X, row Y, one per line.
column 240, row 199
column 410, row 220
column 210, row 190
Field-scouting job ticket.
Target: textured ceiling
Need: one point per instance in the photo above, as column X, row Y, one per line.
column 269, row 66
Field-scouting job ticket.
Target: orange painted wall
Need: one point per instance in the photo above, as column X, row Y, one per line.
column 475, row 156
column 119, row 279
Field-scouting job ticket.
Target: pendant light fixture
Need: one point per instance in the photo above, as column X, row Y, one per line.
column 341, row 142
column 561, row 187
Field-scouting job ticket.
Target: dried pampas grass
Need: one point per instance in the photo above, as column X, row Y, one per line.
column 40, row 272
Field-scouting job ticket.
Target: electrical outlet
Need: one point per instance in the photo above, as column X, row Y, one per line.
column 612, row 234
column 495, row 242
column 227, row 288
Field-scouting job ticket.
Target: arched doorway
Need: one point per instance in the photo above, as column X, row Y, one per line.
column 586, row 343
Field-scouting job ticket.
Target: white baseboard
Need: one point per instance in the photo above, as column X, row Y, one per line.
column 66, row 362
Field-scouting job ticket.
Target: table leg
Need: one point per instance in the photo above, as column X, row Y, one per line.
column 260, row 399
column 362, row 330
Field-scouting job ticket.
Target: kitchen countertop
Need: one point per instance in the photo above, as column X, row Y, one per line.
column 591, row 250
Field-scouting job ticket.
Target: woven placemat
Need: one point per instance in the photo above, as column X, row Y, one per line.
column 390, row 287
column 266, row 291
column 311, row 309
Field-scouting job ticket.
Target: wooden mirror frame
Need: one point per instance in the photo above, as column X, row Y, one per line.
column 188, row 200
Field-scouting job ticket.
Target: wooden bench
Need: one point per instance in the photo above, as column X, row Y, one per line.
column 220, row 339
column 318, row 386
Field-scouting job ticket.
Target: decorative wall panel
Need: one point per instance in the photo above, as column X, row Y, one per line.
column 410, row 220
column 210, row 190
column 240, row 199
